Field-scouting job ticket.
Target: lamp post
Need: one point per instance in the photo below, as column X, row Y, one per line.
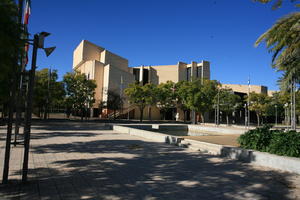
column 286, row 105
column 245, row 106
column 218, row 108
column 38, row 42
column 275, row 115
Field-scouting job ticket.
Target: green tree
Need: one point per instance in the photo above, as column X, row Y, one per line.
column 259, row 103
column 228, row 102
column 47, row 91
column 165, row 97
column 114, row 101
column 11, row 46
column 201, row 95
column 141, row 96
column 182, row 95
column 277, row 3
column 80, row 91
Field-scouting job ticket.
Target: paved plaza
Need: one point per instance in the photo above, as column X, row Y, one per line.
column 73, row 160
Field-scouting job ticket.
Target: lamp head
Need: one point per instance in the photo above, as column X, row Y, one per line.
column 49, row 50
column 42, row 36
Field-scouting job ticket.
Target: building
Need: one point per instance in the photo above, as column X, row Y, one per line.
column 244, row 89
column 112, row 73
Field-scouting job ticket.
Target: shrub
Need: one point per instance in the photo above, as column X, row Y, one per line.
column 276, row 142
column 285, row 144
column 257, row 139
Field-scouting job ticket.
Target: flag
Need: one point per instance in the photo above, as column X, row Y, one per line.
column 27, row 12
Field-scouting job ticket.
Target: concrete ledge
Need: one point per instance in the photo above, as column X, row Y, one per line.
column 157, row 137
column 194, row 129
column 284, row 163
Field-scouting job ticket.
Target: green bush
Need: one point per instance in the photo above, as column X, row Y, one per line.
column 257, row 139
column 276, row 142
column 285, row 144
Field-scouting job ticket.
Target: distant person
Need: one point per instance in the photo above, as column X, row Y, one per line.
column 177, row 116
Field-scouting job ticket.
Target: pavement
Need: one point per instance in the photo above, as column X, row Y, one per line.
column 73, row 160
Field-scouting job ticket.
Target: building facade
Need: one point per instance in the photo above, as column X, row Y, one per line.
column 112, row 73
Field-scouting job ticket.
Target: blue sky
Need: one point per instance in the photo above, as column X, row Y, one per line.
column 159, row 32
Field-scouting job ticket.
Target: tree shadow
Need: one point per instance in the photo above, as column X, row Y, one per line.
column 136, row 169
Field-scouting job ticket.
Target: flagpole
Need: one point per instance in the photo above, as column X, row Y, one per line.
column 20, row 80
column 248, row 102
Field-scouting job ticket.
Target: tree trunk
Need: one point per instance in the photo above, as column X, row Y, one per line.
column 227, row 119
column 114, row 114
column 45, row 112
column 141, row 114
column 258, row 119
column 82, row 114
column 184, row 116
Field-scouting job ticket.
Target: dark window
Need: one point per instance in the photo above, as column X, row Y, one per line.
column 145, row 76
column 136, row 73
column 188, row 74
column 199, row 74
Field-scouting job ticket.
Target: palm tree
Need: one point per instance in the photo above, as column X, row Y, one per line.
column 283, row 40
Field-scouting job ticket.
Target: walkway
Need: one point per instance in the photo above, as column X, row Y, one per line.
column 85, row 161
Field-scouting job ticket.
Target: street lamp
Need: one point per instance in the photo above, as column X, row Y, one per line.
column 286, row 105
column 38, row 42
column 246, row 115
column 275, row 115
column 218, row 108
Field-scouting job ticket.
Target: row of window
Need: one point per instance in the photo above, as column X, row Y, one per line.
column 189, row 74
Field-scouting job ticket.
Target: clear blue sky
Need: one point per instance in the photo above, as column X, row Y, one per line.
column 158, row 32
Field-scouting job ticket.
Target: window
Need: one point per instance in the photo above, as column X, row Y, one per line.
column 145, row 76
column 136, row 73
column 188, row 74
column 198, row 72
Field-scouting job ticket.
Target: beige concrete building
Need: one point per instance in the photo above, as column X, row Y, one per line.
column 244, row 89
column 111, row 72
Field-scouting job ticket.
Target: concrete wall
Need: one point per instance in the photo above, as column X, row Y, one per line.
column 155, row 113
column 194, row 129
column 164, row 73
column 86, row 51
column 78, row 55
column 114, row 60
column 244, row 88
column 182, row 71
column 99, row 78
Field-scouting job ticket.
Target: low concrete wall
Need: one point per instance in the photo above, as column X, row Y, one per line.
column 195, row 129
column 157, row 137
column 289, row 164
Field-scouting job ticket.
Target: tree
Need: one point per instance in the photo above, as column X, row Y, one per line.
column 141, row 96
column 283, row 40
column 277, row 3
column 165, row 97
column 114, row 101
column 10, row 48
column 80, row 91
column 259, row 103
column 228, row 102
column 182, row 96
column 47, row 91
column 200, row 95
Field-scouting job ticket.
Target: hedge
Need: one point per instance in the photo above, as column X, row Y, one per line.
column 272, row 141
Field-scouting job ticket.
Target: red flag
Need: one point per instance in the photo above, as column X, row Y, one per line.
column 26, row 12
